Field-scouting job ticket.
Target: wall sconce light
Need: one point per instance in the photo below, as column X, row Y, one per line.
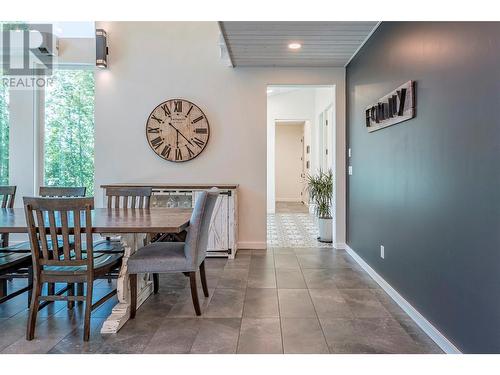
column 101, row 48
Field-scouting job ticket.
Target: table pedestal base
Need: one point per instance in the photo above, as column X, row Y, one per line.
column 121, row 312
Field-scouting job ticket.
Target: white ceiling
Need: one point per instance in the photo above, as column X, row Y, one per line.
column 324, row 44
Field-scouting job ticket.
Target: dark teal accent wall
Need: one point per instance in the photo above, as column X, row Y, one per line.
column 428, row 189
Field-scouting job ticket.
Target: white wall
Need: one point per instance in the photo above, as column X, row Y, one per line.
column 153, row 61
column 289, row 148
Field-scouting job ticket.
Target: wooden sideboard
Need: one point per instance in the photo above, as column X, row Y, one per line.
column 223, row 237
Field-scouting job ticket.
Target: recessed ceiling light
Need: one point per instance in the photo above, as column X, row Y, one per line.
column 269, row 91
column 294, row 45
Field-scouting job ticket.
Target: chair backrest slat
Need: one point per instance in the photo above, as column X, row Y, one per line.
column 53, row 233
column 42, row 238
column 60, row 192
column 64, row 220
column 77, row 235
column 128, row 197
column 65, row 234
column 7, row 195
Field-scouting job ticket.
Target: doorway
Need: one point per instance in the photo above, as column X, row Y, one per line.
column 300, row 143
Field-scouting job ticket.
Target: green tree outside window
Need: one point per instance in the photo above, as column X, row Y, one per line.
column 69, row 130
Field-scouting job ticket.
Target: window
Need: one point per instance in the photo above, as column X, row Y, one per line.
column 4, row 135
column 69, row 130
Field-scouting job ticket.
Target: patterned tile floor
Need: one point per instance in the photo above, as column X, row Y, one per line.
column 292, row 226
column 284, row 300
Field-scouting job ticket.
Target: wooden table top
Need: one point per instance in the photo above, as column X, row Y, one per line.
column 154, row 220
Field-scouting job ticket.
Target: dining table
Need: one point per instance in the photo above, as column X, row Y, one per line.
column 130, row 226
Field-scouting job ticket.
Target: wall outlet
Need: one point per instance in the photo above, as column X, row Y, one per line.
column 382, row 251
column 350, row 170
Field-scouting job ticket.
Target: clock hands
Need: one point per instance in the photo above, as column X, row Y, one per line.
column 182, row 135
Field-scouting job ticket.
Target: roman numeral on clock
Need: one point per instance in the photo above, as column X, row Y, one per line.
column 166, row 109
column 160, row 121
column 197, row 119
column 191, row 153
column 153, row 130
column 201, row 131
column 198, row 141
column 188, row 112
column 166, row 151
column 178, row 106
column 157, row 142
column 178, row 154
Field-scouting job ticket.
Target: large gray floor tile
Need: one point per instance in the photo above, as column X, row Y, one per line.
column 303, row 335
column 295, row 303
column 261, row 303
column 175, row 335
column 319, row 278
column 329, row 303
column 261, row 278
column 364, row 304
column 226, row 303
column 323, row 260
column 217, row 336
column 367, row 336
column 290, row 278
column 260, row 336
column 262, row 261
column 286, row 261
column 233, row 278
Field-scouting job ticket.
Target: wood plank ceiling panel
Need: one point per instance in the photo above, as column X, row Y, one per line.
column 324, row 44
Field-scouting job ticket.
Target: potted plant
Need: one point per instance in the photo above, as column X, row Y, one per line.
column 320, row 188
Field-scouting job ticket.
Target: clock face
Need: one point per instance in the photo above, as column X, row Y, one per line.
column 177, row 130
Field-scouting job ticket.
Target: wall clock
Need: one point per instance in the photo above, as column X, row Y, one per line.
column 177, row 130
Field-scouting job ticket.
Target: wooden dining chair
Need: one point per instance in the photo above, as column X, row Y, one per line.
column 7, row 196
column 15, row 261
column 186, row 257
column 128, row 197
column 61, row 192
column 58, row 219
column 131, row 197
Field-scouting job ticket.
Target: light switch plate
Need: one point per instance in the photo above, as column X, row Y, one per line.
column 349, row 152
column 382, row 251
column 350, row 170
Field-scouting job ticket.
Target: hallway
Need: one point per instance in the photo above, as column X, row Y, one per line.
column 293, row 226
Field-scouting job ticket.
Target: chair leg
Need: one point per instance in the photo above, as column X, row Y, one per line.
column 194, row 292
column 203, row 278
column 30, row 283
column 3, row 287
column 156, row 283
column 88, row 310
column 79, row 291
column 133, row 295
column 51, row 289
column 30, row 330
column 71, row 292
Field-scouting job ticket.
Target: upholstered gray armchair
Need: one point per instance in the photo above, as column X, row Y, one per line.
column 186, row 257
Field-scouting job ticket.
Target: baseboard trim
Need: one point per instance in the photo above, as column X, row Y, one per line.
column 431, row 331
column 286, row 200
column 339, row 245
column 251, row 245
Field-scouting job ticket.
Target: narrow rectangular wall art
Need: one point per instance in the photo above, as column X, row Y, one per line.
column 393, row 108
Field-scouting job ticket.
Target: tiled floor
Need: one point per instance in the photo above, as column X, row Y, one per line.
column 292, row 226
column 284, row 300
